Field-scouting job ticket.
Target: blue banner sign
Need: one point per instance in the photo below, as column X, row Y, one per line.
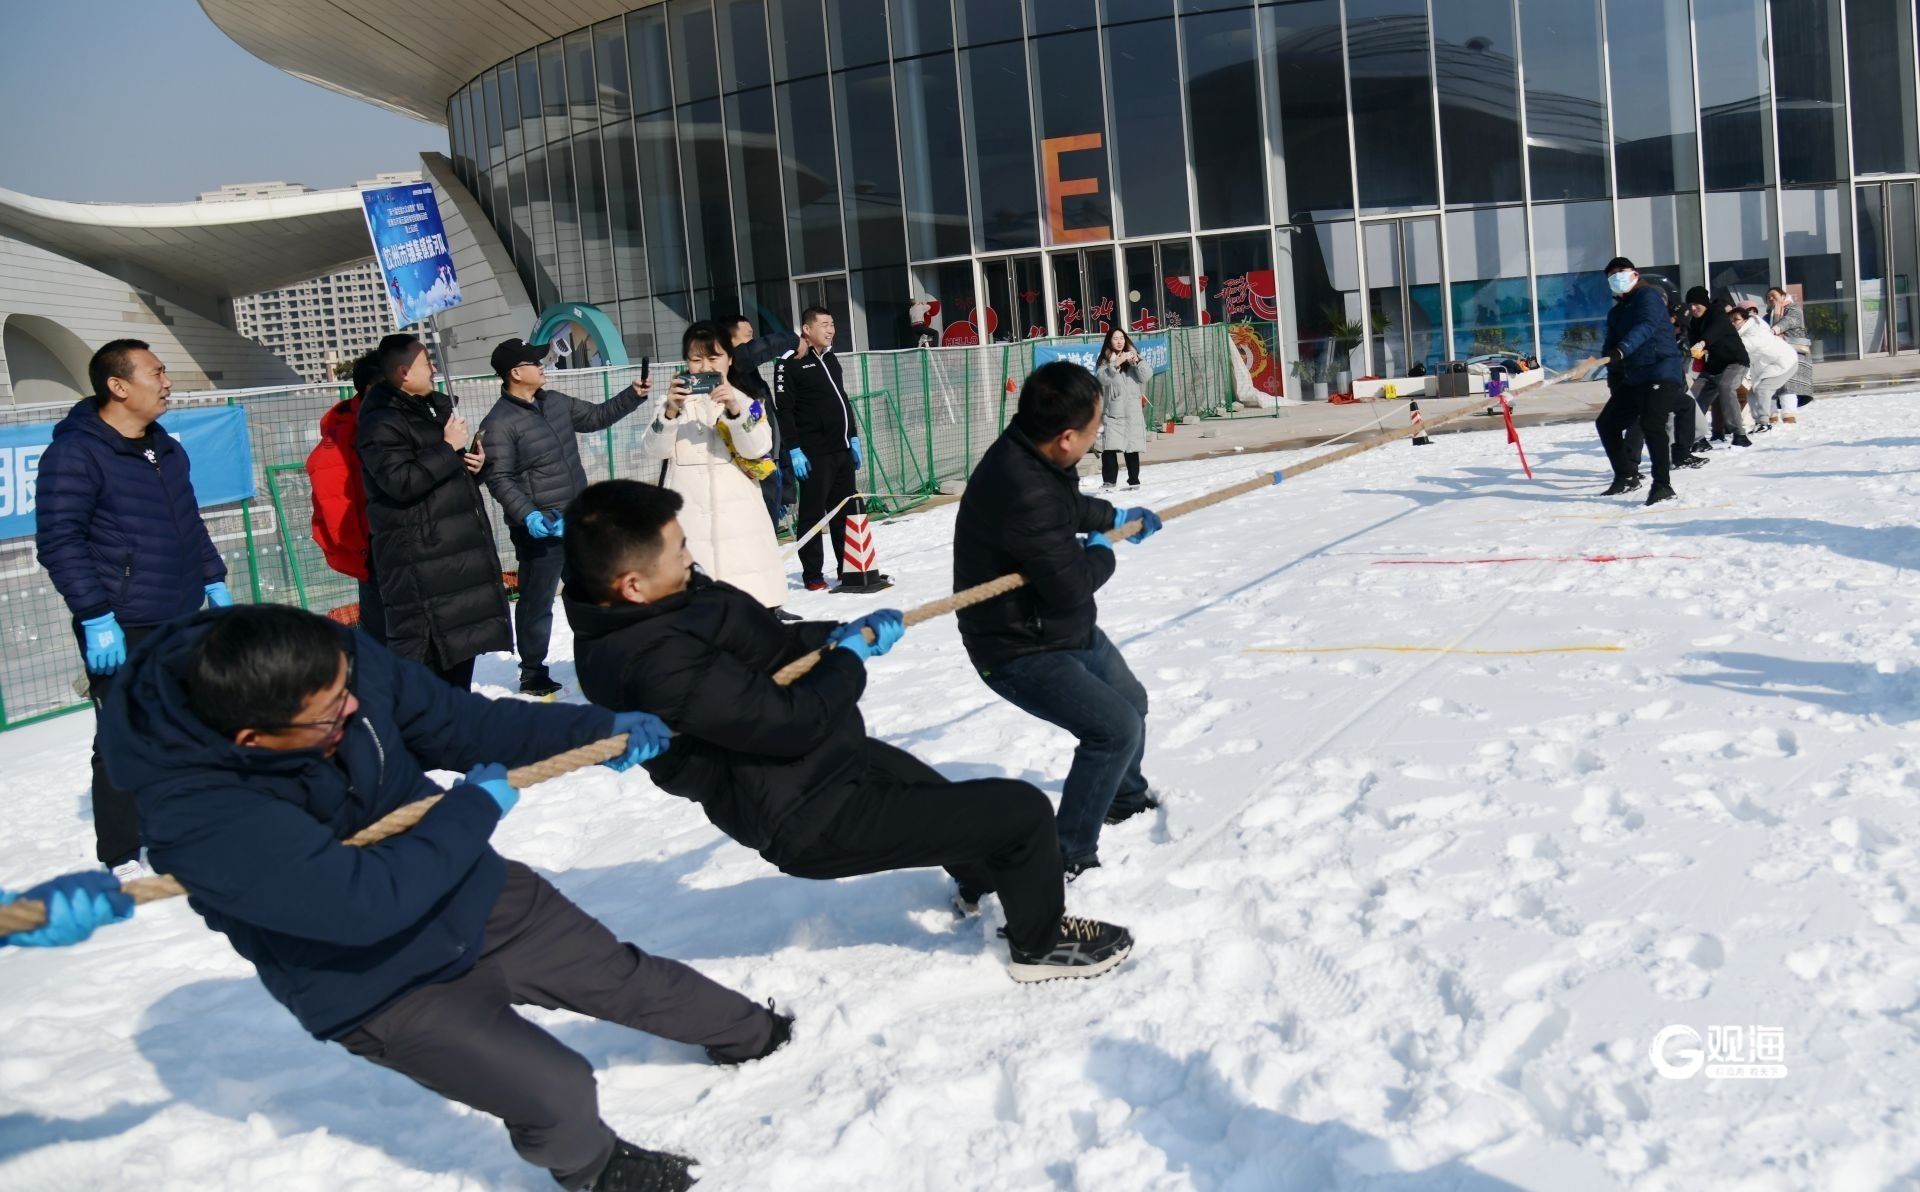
column 1154, row 353
column 216, row 443
column 411, row 247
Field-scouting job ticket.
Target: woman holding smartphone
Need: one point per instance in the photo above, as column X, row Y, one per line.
column 714, row 446
column 1123, row 380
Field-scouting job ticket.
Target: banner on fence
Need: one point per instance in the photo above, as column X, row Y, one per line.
column 216, row 441
column 1154, row 353
column 411, row 247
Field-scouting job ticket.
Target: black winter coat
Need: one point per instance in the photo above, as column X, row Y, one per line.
column 1725, row 348
column 1022, row 512
column 1640, row 346
column 118, row 532
column 334, row 933
column 533, row 452
column 810, row 401
column 768, row 764
column 433, row 552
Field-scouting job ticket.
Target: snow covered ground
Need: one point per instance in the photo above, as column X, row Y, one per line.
column 1412, row 917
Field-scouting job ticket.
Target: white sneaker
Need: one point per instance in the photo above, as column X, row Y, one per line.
column 1106, row 488
column 127, row 871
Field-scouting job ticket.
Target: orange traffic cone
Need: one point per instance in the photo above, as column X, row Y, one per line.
column 858, row 556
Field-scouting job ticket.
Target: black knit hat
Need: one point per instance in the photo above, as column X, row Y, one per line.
column 1698, row 296
column 1617, row 264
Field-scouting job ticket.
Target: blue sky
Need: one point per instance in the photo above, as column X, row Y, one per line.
column 148, row 101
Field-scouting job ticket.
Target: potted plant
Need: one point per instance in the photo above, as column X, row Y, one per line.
column 1307, row 372
column 1822, row 325
column 1346, row 334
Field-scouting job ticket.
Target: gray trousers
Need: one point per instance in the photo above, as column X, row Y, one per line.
column 463, row 1040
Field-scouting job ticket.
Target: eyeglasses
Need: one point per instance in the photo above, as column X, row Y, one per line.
column 327, row 726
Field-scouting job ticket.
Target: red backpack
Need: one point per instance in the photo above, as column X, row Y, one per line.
column 339, row 496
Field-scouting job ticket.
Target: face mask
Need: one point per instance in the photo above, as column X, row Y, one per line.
column 1622, row 281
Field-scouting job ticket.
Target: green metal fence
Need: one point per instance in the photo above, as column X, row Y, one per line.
column 925, row 417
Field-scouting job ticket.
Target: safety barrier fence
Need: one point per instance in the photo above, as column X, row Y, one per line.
column 925, row 418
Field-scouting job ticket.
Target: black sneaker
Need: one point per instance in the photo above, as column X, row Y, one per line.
column 542, row 687
column 1691, row 461
column 1702, row 446
column 776, row 1039
column 1742, row 441
column 1716, row 439
column 782, row 614
column 1073, row 869
column 1761, row 428
column 635, row 1169
column 1622, row 484
column 1125, row 807
column 1659, row 493
column 1083, row 948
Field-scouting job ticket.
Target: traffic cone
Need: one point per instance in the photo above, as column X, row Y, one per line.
column 858, row 556
column 1421, row 439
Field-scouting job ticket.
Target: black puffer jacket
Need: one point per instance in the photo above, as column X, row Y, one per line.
column 433, row 548
column 767, row 763
column 533, row 454
column 1022, row 512
column 1725, row 348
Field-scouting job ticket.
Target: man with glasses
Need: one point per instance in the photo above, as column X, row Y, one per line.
column 259, row 739
column 119, row 532
column 533, row 472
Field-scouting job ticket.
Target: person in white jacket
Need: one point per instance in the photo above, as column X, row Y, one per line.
column 713, row 444
column 1772, row 363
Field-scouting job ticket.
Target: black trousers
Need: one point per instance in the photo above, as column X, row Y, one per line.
column 1110, row 466
column 829, row 482
column 1647, row 407
column 460, row 674
column 539, row 561
column 373, row 614
column 994, row 835
column 116, row 821
column 463, row 1040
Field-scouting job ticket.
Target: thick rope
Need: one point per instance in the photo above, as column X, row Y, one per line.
column 26, row 914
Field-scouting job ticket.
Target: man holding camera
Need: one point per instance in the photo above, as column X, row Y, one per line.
column 535, row 471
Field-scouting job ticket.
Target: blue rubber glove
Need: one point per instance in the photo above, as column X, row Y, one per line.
column 537, row 526
column 559, row 522
column 647, row 738
column 491, row 777
column 1099, row 540
column 888, row 625
column 1148, row 519
column 801, row 467
column 217, row 594
column 106, row 644
column 77, row 904
column 859, row 456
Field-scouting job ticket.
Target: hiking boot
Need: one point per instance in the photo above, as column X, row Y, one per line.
column 1659, row 493
column 1691, row 461
column 1621, row 484
column 635, row 1169
column 1742, row 441
column 1082, row 948
column 776, row 1039
column 540, row 687
column 1125, row 807
column 816, row 583
column 1073, row 869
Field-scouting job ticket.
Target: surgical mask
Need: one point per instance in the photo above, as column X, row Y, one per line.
column 1622, row 281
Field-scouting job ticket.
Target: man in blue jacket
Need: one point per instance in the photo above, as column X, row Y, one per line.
column 120, row 534
column 1648, row 377
column 260, row 738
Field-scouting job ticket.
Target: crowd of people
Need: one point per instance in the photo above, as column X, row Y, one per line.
column 1670, row 364
column 238, row 749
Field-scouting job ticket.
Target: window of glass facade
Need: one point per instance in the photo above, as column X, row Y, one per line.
column 596, row 232
column 1654, row 146
column 1572, row 243
column 566, row 218
column 1566, row 99
column 857, row 31
column 521, row 243
column 490, row 108
column 658, row 153
column 532, row 128
column 1059, row 16
column 623, row 202
column 982, row 22
column 1072, row 135
column 1144, row 94
column 1160, row 285
column 935, row 177
column 799, row 33
column 1392, row 105
column 1223, row 103
column 1239, row 273
column 1808, row 78
column 696, row 70
column 1816, row 233
column 1880, row 45
column 1326, row 299
column 1740, row 243
column 512, row 142
column 743, row 44
column 753, row 162
column 1014, row 295
column 648, row 69
column 1736, row 115
column 1309, row 72
column 1115, row 11
column 810, row 176
column 1491, row 296
column 583, row 97
column 1477, row 72
column 1661, row 234
column 884, row 306
column 545, row 288
column 553, row 92
column 999, row 145
column 950, row 284
column 703, row 178
column 870, row 171
column 610, row 71
column 921, row 26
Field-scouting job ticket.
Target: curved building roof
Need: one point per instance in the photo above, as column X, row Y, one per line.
column 407, row 57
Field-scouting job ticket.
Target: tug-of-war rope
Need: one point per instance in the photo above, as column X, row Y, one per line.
column 26, row 914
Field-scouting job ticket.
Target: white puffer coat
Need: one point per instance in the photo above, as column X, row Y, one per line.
column 725, row 517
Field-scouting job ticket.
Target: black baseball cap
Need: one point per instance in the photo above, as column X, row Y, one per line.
column 515, row 352
column 1618, row 264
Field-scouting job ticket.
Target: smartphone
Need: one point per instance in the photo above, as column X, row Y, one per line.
column 646, row 367
column 703, row 382
column 475, row 445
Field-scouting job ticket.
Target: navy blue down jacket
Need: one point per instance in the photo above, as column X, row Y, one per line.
column 1640, row 345
column 119, row 532
column 336, row 933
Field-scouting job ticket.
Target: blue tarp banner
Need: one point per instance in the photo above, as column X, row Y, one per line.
column 1154, row 353
column 216, row 442
column 411, row 247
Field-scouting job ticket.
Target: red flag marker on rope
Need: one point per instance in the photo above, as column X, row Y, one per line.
column 1497, row 387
